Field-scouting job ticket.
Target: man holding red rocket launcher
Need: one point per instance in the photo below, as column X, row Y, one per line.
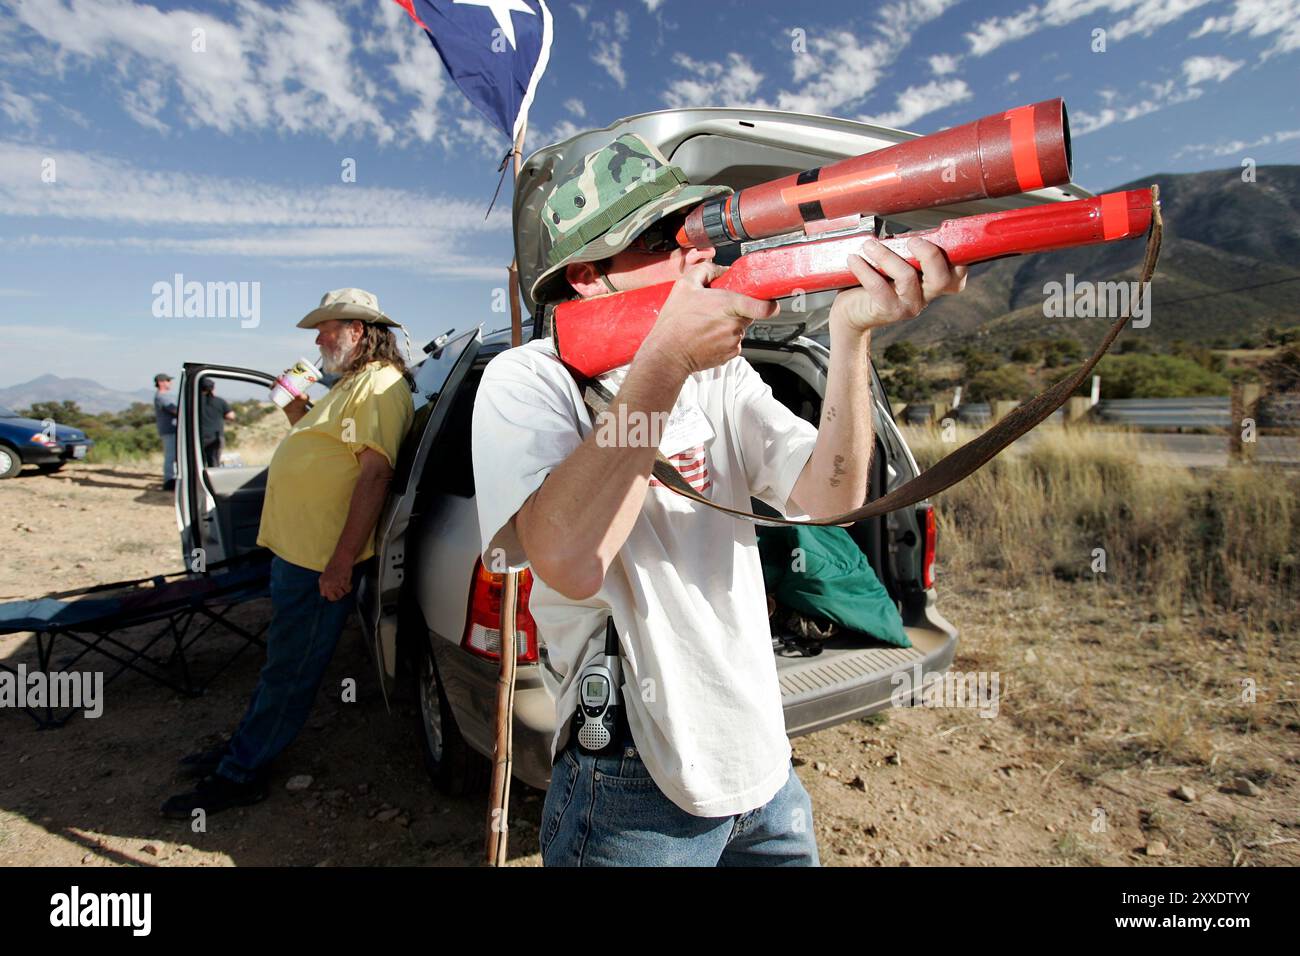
column 700, row 772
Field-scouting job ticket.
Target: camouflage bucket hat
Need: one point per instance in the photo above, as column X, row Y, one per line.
column 607, row 202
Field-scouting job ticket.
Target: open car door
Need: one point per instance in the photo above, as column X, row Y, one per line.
column 437, row 380
column 219, row 508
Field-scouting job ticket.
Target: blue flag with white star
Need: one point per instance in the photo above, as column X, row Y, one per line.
column 495, row 51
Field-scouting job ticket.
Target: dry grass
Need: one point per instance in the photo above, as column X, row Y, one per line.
column 1152, row 662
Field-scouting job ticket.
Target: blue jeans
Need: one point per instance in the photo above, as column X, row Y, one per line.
column 169, row 456
column 300, row 641
column 606, row 811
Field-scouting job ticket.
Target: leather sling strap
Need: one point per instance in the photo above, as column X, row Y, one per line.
column 953, row 467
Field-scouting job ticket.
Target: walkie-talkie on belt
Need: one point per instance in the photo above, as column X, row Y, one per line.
column 596, row 720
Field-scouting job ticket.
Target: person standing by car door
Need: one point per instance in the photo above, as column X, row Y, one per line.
column 702, row 775
column 164, row 412
column 325, row 488
column 214, row 412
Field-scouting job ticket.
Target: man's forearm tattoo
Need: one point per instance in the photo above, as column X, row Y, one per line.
column 838, row 470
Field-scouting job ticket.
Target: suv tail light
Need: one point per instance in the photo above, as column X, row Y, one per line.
column 483, row 622
column 927, row 556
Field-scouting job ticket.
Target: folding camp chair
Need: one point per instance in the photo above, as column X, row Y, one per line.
column 96, row 617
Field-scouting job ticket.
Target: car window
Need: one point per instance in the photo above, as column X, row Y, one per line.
column 431, row 374
column 250, row 439
column 455, row 472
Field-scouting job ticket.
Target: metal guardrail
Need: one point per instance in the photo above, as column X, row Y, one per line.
column 1166, row 412
column 1280, row 411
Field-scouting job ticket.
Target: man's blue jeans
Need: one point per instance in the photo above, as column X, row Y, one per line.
column 169, row 456
column 606, row 811
column 300, row 641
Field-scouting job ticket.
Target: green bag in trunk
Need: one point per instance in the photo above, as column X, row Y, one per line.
column 831, row 579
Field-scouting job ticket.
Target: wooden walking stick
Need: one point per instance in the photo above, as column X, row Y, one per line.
column 503, row 746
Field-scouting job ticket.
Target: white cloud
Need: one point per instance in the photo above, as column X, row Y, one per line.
column 413, row 67
column 1140, row 16
column 840, row 69
column 652, row 5
column 1196, row 70
column 294, row 67
column 555, row 134
column 20, row 109
column 1260, row 18
column 990, row 34
column 607, row 48
column 1161, row 95
column 944, row 63
column 733, row 83
column 917, row 101
column 1149, row 17
column 477, row 132
column 1237, row 146
column 575, row 106
column 1199, row 69
column 220, row 216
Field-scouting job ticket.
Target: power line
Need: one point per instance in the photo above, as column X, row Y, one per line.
column 1242, row 288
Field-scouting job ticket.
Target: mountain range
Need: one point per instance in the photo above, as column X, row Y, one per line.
column 89, row 395
column 1229, row 267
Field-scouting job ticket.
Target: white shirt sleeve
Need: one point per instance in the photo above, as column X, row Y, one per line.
column 775, row 443
column 524, row 425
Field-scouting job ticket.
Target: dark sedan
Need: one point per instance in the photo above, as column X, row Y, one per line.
column 26, row 441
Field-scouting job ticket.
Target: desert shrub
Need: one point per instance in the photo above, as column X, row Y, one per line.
column 1027, row 353
column 1157, row 376
column 906, row 384
column 900, row 353
column 1059, row 352
column 1007, row 382
column 976, row 360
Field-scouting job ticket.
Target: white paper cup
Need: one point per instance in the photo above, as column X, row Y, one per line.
column 294, row 382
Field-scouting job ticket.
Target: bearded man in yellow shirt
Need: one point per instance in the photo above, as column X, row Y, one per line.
column 325, row 488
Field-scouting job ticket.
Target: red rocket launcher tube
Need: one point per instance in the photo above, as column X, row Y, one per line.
column 1000, row 155
column 595, row 335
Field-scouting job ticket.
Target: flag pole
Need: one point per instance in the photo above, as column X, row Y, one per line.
column 503, row 747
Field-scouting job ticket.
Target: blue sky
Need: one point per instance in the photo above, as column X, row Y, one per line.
column 225, row 165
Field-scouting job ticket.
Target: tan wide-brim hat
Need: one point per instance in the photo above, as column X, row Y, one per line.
column 346, row 305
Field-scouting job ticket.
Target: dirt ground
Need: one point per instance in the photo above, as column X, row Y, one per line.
column 1116, row 741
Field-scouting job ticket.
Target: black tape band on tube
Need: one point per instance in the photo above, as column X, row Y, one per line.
column 711, row 219
column 811, row 211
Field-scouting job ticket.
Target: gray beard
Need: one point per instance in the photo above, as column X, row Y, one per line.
column 335, row 362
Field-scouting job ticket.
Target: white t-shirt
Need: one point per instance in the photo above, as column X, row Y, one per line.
column 686, row 589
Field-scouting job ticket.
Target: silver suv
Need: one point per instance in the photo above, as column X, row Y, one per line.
column 430, row 611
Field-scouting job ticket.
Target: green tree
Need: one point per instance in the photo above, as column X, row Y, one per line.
column 1027, row 353
column 1202, row 356
column 1059, row 352
column 1157, row 376
column 975, row 361
column 63, row 413
column 906, row 384
column 900, row 353
column 1006, row 382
